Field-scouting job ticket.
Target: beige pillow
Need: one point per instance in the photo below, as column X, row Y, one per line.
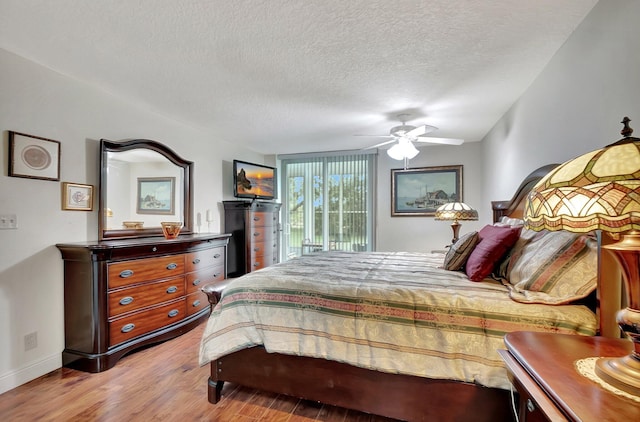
column 552, row 267
column 459, row 252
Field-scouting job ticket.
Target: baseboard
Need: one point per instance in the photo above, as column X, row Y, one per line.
column 37, row 369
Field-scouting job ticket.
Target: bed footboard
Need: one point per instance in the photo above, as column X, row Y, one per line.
column 392, row 395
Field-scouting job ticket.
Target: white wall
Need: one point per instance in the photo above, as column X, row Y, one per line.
column 40, row 102
column 424, row 234
column 576, row 103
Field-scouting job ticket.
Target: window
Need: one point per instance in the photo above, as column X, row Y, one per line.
column 328, row 203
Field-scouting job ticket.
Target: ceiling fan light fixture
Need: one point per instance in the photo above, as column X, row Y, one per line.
column 403, row 149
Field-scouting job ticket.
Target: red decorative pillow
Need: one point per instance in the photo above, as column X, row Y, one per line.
column 494, row 243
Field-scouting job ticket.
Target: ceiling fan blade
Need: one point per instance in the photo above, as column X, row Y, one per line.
column 376, row 136
column 420, row 130
column 380, row 144
column 442, row 141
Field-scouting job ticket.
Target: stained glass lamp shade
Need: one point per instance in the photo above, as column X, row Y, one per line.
column 455, row 211
column 600, row 190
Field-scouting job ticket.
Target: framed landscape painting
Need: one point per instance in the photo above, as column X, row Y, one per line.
column 155, row 195
column 420, row 191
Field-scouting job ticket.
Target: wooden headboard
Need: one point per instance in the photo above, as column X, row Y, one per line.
column 608, row 300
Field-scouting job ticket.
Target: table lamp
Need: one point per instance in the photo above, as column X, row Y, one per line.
column 600, row 190
column 455, row 211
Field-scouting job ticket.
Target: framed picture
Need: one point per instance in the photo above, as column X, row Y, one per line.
column 155, row 195
column 77, row 197
column 420, row 191
column 33, row 157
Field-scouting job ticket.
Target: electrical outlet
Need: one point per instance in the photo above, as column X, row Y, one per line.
column 8, row 221
column 31, row 341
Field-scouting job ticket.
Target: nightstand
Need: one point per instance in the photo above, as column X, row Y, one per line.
column 541, row 368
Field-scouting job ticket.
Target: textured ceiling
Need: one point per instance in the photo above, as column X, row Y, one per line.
column 287, row 76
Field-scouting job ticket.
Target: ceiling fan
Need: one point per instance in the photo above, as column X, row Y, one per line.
column 405, row 135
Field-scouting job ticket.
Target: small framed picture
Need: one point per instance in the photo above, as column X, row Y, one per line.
column 155, row 195
column 33, row 157
column 77, row 197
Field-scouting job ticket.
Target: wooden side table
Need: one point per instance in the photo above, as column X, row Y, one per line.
column 541, row 367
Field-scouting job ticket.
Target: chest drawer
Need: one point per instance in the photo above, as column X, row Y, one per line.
column 261, row 261
column 133, row 298
column 205, row 258
column 134, row 325
column 262, row 235
column 126, row 273
column 197, row 279
column 196, row 302
column 262, row 219
column 260, row 249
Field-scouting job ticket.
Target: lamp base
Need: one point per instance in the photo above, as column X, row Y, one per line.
column 623, row 373
column 455, row 226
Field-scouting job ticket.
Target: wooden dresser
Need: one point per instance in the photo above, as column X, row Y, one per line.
column 120, row 295
column 254, row 226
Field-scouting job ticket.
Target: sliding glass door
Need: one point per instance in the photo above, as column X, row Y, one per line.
column 328, row 203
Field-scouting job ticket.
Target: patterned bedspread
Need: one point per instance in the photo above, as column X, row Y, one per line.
column 388, row 311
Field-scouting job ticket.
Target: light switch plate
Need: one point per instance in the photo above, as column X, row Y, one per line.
column 8, row 221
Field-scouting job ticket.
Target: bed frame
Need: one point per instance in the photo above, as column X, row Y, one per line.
column 396, row 396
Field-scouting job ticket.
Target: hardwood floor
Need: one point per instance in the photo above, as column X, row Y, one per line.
column 160, row 383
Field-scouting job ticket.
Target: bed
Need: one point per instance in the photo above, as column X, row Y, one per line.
column 395, row 334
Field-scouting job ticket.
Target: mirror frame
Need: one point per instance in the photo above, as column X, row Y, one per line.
column 106, row 147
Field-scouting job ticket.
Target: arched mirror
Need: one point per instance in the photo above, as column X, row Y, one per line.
column 142, row 183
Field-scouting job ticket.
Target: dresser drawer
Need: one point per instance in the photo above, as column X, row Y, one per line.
column 205, row 258
column 196, row 302
column 262, row 219
column 197, row 279
column 127, row 273
column 133, row 298
column 130, row 326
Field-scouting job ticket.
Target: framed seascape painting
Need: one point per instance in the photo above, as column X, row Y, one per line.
column 420, row 191
column 33, row 157
column 155, row 195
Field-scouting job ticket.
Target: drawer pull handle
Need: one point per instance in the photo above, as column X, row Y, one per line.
column 530, row 405
column 127, row 328
column 196, row 261
column 256, row 249
column 256, row 264
column 126, row 300
column 216, row 256
column 216, row 275
column 256, row 218
column 173, row 313
column 126, row 273
column 196, row 303
column 256, row 234
column 196, row 282
column 154, row 249
column 172, row 289
column 172, row 266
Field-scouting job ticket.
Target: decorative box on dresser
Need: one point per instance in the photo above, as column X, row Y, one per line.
column 254, row 227
column 120, row 295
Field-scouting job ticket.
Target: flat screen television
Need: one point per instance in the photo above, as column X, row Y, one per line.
column 255, row 181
